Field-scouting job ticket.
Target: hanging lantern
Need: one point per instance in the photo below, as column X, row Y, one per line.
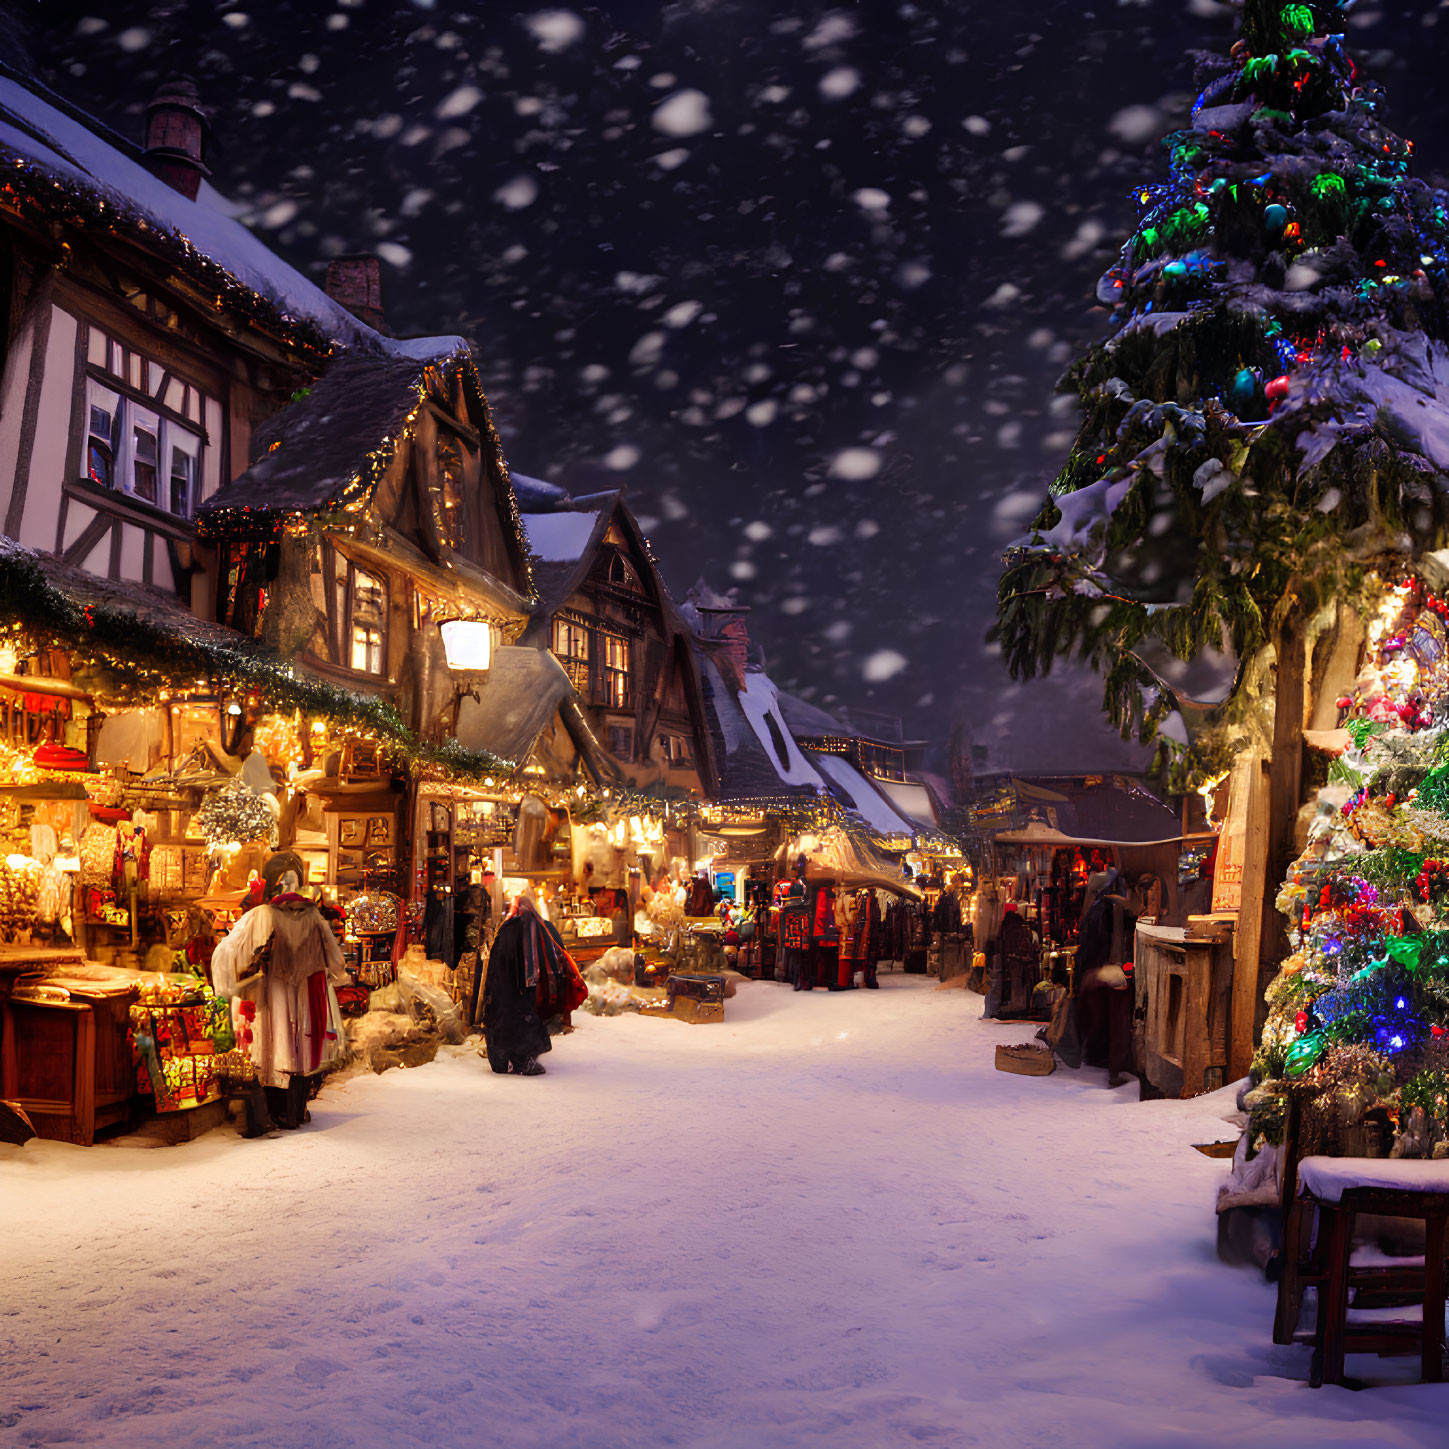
column 468, row 644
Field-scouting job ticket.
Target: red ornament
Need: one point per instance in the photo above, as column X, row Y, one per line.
column 1301, row 1021
column 1276, row 389
column 1437, row 1031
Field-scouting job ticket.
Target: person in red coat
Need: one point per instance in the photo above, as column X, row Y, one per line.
column 827, row 939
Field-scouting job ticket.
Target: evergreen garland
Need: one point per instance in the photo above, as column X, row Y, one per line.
column 145, row 655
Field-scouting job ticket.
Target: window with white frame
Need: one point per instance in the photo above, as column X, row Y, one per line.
column 143, row 427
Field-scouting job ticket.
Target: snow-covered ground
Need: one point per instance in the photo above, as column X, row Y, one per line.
column 828, row 1221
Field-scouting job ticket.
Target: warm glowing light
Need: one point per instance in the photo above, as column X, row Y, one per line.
column 468, row 643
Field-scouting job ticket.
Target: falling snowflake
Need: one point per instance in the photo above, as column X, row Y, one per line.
column 883, row 664
column 685, row 113
column 555, row 30
column 522, row 191
column 855, row 464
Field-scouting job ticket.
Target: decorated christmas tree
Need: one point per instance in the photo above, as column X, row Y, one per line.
column 1265, row 424
column 1359, row 1011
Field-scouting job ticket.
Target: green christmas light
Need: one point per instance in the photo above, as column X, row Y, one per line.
column 1297, row 20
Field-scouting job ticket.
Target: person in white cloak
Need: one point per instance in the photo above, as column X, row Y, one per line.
column 279, row 965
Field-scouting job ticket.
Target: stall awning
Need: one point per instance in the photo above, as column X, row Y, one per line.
column 1088, row 810
column 836, row 855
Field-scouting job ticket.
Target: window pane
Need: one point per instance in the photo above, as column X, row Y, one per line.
column 154, row 373
column 616, row 652
column 183, row 468
column 96, row 347
column 133, row 369
column 100, row 449
column 366, row 649
column 145, row 455
column 369, row 598
column 176, row 394
column 115, row 364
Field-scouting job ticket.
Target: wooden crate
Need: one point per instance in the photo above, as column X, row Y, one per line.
column 68, row 1065
column 1185, row 985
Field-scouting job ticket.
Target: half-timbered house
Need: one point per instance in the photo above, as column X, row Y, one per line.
column 605, row 613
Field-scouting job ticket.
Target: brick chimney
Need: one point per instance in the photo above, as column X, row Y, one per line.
column 355, row 282
column 723, row 634
column 176, row 135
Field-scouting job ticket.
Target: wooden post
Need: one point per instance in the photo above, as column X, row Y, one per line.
column 1247, row 940
column 1285, row 794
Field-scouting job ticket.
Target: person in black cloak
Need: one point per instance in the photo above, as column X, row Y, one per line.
column 530, row 978
column 1104, row 995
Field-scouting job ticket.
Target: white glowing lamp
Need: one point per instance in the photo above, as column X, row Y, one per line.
column 468, row 644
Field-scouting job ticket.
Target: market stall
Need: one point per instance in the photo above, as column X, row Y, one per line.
column 841, row 910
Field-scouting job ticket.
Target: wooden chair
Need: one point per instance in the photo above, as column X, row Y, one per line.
column 1342, row 1188
column 1303, row 1256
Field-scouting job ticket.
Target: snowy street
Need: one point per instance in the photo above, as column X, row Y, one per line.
column 828, row 1221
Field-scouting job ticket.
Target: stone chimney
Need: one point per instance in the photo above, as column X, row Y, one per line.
column 355, row 282
column 176, row 134
column 723, row 634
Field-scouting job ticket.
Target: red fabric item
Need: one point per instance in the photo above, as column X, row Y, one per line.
column 317, row 1032
column 825, row 928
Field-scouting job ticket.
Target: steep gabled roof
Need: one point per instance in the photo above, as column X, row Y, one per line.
column 318, row 451
column 72, row 167
column 861, row 795
column 564, row 546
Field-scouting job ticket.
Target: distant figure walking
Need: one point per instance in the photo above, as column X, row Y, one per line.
column 530, row 979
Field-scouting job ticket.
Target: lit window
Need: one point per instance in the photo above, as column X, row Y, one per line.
column 571, row 645
column 614, row 675
column 367, row 623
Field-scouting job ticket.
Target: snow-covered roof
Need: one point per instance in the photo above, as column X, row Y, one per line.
column 80, row 159
column 537, row 494
column 750, row 767
column 761, row 706
column 559, row 537
column 805, row 718
column 308, row 455
column 913, row 801
column 861, row 796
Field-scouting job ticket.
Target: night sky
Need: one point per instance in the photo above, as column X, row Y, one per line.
column 801, row 278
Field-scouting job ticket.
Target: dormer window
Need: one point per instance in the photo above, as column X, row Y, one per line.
column 622, row 575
